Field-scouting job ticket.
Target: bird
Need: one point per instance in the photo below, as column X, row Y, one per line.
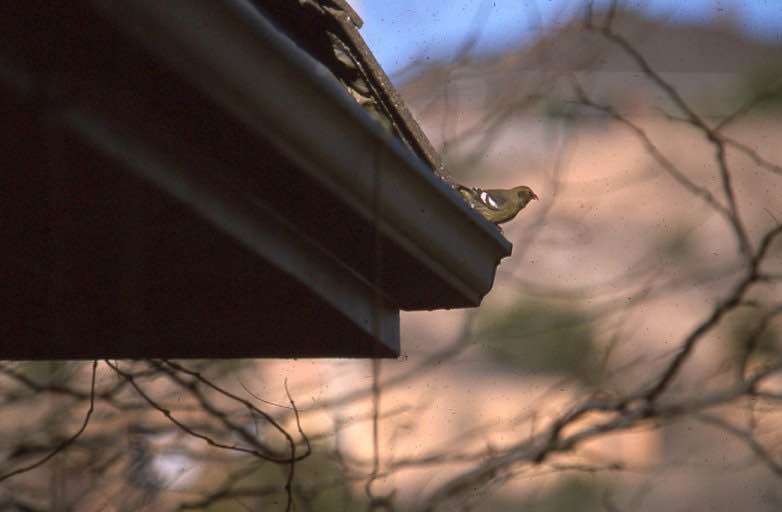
column 497, row 205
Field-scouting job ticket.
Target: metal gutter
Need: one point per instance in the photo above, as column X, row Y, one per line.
column 233, row 54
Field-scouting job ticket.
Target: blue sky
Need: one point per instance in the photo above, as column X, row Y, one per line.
column 398, row 31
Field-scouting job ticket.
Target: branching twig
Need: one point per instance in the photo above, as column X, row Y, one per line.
column 711, row 134
column 66, row 443
column 724, row 306
column 746, row 437
column 183, row 426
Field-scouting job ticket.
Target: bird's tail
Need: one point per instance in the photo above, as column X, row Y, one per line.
column 468, row 194
column 458, row 187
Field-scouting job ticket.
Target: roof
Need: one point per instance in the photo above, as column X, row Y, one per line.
column 206, row 185
column 328, row 30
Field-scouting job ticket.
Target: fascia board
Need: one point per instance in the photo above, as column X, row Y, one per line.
column 237, row 57
column 198, row 183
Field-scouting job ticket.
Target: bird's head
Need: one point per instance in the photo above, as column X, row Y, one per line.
column 525, row 194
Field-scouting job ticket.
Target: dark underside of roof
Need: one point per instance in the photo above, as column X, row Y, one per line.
column 143, row 218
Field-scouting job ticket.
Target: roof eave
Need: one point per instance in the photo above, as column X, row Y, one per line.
column 234, row 55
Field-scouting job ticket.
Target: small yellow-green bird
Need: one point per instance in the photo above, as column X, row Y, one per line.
column 497, row 205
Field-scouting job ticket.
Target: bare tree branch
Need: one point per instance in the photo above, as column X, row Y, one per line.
column 65, row 444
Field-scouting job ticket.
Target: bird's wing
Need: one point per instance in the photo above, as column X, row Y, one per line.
column 492, row 199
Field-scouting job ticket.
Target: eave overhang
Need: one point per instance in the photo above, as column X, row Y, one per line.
column 238, row 58
column 187, row 174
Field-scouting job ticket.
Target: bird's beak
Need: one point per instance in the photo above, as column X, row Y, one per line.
column 534, row 196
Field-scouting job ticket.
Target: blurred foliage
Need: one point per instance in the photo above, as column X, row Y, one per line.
column 541, row 337
column 217, row 368
column 555, row 108
column 678, row 245
column 570, row 494
column 775, row 251
column 766, row 86
column 319, row 483
column 463, row 169
column 323, row 484
column 744, row 323
column 47, row 372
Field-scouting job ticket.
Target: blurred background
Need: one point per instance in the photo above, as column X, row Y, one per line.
column 625, row 119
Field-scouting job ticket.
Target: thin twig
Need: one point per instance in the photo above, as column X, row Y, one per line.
column 66, row 443
column 183, row 426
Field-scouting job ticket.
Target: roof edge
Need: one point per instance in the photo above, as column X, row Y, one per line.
column 264, row 79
